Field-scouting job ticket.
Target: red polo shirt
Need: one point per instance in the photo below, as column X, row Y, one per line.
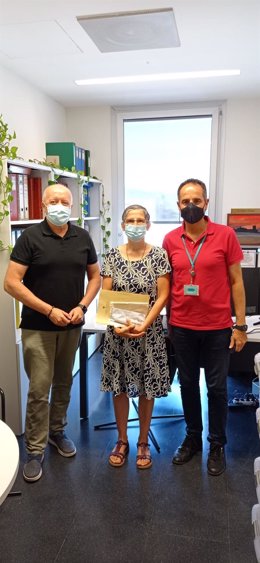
column 211, row 309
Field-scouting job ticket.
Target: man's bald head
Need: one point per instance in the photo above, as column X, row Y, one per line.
column 57, row 193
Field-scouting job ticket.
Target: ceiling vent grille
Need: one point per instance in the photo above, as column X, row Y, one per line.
column 132, row 31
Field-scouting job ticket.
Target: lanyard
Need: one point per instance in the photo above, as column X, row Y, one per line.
column 193, row 260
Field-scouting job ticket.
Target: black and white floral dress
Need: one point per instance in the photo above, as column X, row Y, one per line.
column 136, row 366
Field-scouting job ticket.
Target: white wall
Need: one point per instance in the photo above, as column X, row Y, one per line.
column 34, row 117
column 91, row 129
column 241, row 163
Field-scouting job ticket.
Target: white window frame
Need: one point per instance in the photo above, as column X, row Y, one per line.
column 215, row 110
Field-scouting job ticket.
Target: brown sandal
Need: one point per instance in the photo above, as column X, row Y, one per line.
column 143, row 455
column 122, row 455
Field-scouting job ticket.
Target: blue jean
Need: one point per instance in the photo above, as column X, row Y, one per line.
column 208, row 349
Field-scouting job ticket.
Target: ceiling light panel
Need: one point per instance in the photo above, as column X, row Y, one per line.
column 132, row 31
column 158, row 77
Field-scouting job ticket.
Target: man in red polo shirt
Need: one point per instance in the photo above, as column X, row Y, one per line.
column 206, row 272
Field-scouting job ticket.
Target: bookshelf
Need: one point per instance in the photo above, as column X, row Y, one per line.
column 13, row 378
column 251, row 277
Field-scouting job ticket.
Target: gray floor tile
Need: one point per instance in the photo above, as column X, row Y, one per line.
column 83, row 510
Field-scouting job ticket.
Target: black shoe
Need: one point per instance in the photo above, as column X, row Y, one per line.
column 32, row 470
column 216, row 459
column 189, row 447
column 63, row 443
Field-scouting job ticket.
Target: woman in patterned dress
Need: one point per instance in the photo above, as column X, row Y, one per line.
column 134, row 356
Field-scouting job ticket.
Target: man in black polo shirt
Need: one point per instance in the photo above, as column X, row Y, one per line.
column 47, row 274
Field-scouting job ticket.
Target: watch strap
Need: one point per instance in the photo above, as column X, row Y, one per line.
column 83, row 307
column 242, row 328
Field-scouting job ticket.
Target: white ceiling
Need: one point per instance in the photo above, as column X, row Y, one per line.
column 42, row 41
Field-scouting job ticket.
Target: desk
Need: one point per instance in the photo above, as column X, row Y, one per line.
column 90, row 327
column 9, row 460
column 242, row 361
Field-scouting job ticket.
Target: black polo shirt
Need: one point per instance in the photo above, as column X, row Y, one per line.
column 56, row 272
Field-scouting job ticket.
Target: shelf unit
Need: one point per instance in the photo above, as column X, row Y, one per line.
column 13, row 377
column 251, row 277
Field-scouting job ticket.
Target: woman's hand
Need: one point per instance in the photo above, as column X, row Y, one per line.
column 130, row 331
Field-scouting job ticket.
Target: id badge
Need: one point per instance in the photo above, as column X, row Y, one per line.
column 191, row 289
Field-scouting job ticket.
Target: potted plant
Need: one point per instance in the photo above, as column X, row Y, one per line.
column 105, row 223
column 7, row 151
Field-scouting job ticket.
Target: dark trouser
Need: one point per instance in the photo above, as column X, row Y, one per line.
column 208, row 349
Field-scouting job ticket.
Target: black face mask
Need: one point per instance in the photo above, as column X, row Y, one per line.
column 192, row 213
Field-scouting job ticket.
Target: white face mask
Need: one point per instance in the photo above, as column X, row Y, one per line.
column 58, row 214
column 135, row 232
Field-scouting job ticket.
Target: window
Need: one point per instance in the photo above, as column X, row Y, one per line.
column 157, row 154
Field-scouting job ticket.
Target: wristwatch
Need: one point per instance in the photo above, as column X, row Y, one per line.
column 83, row 307
column 242, row 328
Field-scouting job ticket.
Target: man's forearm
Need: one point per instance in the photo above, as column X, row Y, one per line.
column 92, row 289
column 239, row 302
column 23, row 294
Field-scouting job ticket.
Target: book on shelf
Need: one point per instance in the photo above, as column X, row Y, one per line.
column 66, row 155
column 14, row 203
column 80, row 159
column 86, row 200
column 21, row 210
column 35, row 198
column 25, row 197
column 245, row 211
column 87, row 163
column 19, row 207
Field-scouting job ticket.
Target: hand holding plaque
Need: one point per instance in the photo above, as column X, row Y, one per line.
column 118, row 308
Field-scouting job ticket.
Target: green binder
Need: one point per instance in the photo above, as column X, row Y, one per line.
column 87, row 163
column 66, row 152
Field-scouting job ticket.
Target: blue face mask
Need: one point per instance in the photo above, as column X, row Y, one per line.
column 58, row 214
column 135, row 232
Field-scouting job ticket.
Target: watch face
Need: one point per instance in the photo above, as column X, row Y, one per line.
column 243, row 328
